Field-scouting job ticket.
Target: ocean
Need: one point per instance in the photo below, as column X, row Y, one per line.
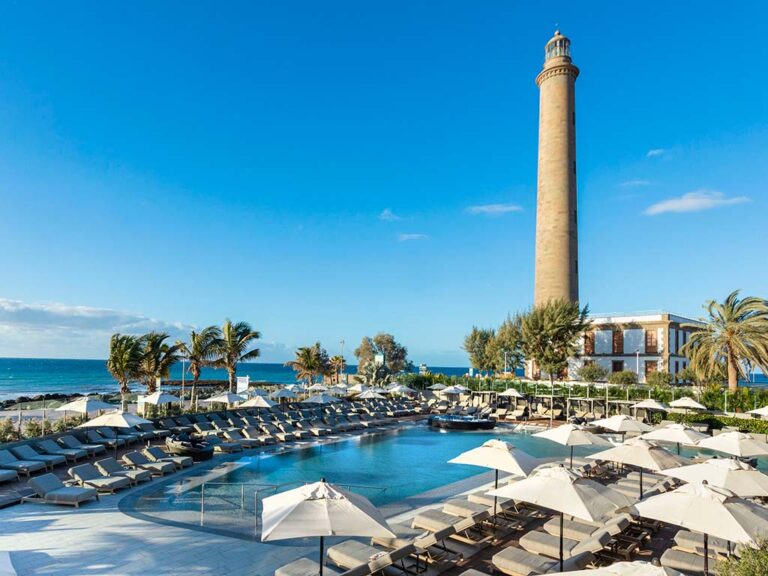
column 31, row 376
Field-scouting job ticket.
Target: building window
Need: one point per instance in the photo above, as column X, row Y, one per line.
column 618, row 342
column 651, row 343
column 651, row 366
column 617, row 366
column 589, row 343
column 677, row 366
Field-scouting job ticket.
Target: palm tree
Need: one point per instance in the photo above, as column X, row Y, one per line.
column 310, row 361
column 157, row 357
column 232, row 346
column 200, row 352
column 735, row 334
column 551, row 334
column 337, row 365
column 123, row 362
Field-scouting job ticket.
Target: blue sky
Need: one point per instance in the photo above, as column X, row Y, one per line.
column 327, row 170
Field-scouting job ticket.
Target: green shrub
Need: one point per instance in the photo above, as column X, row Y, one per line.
column 592, row 373
column 8, row 430
column 753, row 425
column 658, row 379
column 33, row 429
column 624, row 377
column 753, row 561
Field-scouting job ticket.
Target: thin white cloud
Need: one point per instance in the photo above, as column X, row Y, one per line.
column 388, row 216
column 411, row 237
column 695, row 202
column 635, row 183
column 493, row 209
column 656, row 152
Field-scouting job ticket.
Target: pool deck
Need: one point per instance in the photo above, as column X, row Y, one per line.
column 100, row 539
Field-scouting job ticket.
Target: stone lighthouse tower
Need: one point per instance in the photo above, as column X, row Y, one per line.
column 557, row 272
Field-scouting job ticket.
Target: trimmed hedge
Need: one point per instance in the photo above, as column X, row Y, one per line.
column 718, row 422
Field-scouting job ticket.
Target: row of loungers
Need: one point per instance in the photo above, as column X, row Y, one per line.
column 104, row 476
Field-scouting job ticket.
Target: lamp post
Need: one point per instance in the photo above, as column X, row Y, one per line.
column 341, row 376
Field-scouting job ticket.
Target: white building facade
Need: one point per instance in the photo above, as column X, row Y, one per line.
column 641, row 343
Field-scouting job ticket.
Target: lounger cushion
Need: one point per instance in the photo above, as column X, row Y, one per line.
column 694, row 542
column 304, row 567
column 434, row 520
column 686, row 562
column 10, row 462
column 8, row 475
column 404, row 535
column 51, row 489
column 463, row 507
column 352, row 553
column 519, row 562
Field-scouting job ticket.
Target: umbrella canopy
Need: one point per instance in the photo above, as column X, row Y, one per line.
column 499, row 455
column 224, row 398
column 651, row 404
column 370, row 395
column 317, row 388
column 116, row 419
column 729, row 473
column 636, row 568
column 257, row 392
column 402, row 389
column 760, row 411
column 453, row 390
column 688, row 403
column 358, row 388
column 321, row 399
column 320, row 509
column 437, row 386
column 511, row 392
column 157, row 398
column 643, row 454
column 564, row 491
column 572, row 435
column 622, row 423
column 283, row 393
column 676, row 434
column 85, row 404
column 735, row 444
column 710, row 510
column 338, row 390
column 258, row 402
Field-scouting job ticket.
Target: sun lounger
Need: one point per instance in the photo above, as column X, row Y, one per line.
column 549, row 545
column 220, row 446
column 138, row 460
column 254, row 433
column 351, row 554
column 304, row 567
column 155, row 432
column 8, row 476
column 404, row 535
column 50, row 447
column 272, row 430
column 51, row 490
column 581, row 530
column 694, row 542
column 465, row 529
column 235, row 436
column 95, row 438
column 686, row 562
column 87, row 475
column 72, row 442
column 10, row 462
column 298, row 434
column 174, row 427
column 518, row 562
column 111, row 467
column 157, row 454
column 121, row 434
column 26, row 452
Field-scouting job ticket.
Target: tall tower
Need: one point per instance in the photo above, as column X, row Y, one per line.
column 557, row 273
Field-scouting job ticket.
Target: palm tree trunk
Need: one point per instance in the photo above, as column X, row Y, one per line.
column 733, row 374
column 231, row 372
column 193, row 397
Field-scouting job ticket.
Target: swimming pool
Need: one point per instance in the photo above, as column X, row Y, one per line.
column 389, row 468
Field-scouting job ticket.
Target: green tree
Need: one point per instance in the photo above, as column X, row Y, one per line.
column 751, row 562
column 507, row 341
column 123, row 362
column 309, row 362
column 337, row 365
column 233, row 346
column 374, row 375
column 623, row 377
column 200, row 352
column 735, row 334
column 687, row 374
column 395, row 354
column 592, row 373
column 478, row 345
column 551, row 335
column 157, row 357
column 659, row 379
